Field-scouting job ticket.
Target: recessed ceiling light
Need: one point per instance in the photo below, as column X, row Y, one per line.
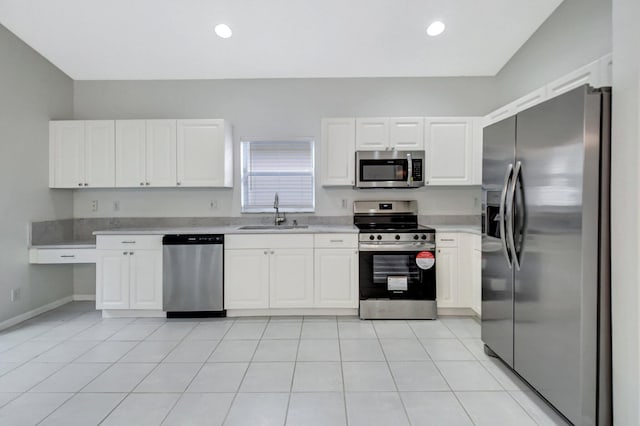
column 223, row 30
column 435, row 29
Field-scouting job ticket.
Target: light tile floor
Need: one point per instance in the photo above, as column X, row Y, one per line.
column 71, row 367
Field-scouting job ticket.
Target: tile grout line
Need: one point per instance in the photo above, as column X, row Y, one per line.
column 344, row 389
column 235, row 395
column 295, row 367
column 443, row 376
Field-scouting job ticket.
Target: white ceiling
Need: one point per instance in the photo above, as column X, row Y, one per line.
column 174, row 39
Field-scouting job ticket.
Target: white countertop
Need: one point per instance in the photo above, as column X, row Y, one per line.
column 232, row 229
column 471, row 229
column 66, row 245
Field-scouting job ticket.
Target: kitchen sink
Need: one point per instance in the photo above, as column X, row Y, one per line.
column 274, row 227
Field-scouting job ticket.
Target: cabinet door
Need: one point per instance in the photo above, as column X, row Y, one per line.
column 66, row 154
column 406, row 134
column 447, row 277
column 112, row 279
column 161, row 153
column 246, row 279
column 449, row 143
column 338, row 148
column 336, row 278
column 372, row 134
column 100, row 151
column 291, row 278
column 131, row 136
column 476, row 281
column 202, row 151
column 145, row 279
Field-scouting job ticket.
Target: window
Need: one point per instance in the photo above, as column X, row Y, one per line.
column 282, row 167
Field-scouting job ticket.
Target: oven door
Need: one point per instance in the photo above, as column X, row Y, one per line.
column 397, row 274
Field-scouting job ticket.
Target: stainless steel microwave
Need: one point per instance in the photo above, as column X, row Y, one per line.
column 389, row 169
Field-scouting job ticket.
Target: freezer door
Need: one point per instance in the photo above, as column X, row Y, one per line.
column 497, row 274
column 555, row 331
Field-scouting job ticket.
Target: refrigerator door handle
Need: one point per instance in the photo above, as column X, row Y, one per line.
column 503, row 196
column 510, row 211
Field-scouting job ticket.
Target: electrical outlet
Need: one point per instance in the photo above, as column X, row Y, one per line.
column 213, row 205
column 94, row 205
column 15, row 294
column 116, row 206
column 345, row 203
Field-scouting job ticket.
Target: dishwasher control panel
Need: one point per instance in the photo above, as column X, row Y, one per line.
column 184, row 239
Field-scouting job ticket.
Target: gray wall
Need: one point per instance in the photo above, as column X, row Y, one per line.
column 274, row 108
column 625, row 192
column 32, row 92
column 578, row 32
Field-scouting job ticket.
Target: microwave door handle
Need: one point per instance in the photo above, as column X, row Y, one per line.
column 409, row 170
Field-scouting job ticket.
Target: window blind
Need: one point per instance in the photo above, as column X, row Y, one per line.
column 283, row 167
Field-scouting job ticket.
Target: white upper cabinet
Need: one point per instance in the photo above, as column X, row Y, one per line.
column 449, row 151
column 131, row 139
column 205, row 153
column 338, row 151
column 372, row 134
column 406, row 133
column 145, row 153
column 161, row 153
column 81, row 154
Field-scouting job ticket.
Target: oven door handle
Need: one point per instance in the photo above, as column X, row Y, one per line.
column 409, row 169
column 390, row 247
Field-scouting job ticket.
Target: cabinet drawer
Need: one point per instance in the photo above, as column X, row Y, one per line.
column 119, row 242
column 271, row 241
column 447, row 240
column 80, row 255
column 336, row 240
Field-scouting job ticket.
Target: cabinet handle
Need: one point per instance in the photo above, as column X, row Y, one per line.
column 336, row 241
column 147, row 184
column 141, row 183
column 124, row 252
column 266, row 252
column 86, row 184
column 272, row 252
column 131, row 253
column 79, row 184
column 447, row 239
column 67, row 255
column 178, row 183
column 128, row 242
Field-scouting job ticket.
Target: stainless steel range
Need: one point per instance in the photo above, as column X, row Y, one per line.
column 397, row 261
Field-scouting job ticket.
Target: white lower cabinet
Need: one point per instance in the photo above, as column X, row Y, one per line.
column 336, row 278
column 129, row 272
column 447, row 277
column 289, row 271
column 291, row 278
column 246, row 279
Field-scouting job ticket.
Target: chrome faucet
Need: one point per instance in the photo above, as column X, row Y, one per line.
column 276, row 205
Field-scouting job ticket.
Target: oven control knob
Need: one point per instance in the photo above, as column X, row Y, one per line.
column 371, row 237
column 415, row 237
column 424, row 237
column 379, row 237
column 397, row 237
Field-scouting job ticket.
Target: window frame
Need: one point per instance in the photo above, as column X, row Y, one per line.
column 246, row 142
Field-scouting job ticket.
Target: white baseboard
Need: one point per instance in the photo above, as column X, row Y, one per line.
column 292, row 311
column 34, row 312
column 132, row 313
column 83, row 297
column 463, row 312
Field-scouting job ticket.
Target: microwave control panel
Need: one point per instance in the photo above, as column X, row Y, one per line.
column 417, row 170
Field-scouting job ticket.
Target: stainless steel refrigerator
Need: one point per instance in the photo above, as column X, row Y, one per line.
column 545, row 250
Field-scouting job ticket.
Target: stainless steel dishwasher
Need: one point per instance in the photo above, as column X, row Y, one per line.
column 193, row 275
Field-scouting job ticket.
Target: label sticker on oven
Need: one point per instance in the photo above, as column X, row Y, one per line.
column 397, row 283
column 425, row 260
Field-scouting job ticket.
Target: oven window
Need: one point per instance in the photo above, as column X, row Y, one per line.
column 385, row 265
column 372, row 171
